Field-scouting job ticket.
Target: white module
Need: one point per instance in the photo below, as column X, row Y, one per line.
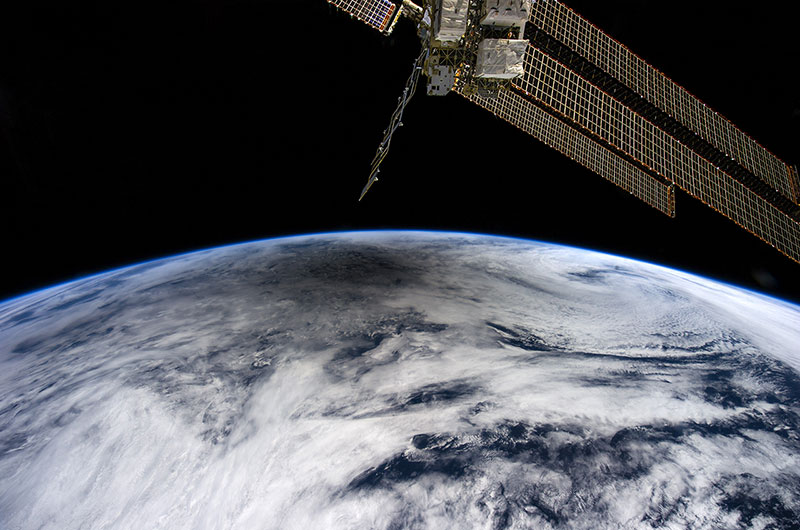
column 501, row 58
column 506, row 13
column 451, row 20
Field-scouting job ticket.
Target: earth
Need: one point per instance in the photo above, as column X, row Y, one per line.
column 398, row 380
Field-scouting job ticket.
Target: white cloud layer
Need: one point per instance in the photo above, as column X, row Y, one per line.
column 398, row 380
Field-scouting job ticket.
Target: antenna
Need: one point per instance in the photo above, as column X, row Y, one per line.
column 396, row 121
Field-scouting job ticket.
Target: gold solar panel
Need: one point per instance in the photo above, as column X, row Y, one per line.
column 564, row 93
column 555, row 133
column 375, row 13
column 588, row 41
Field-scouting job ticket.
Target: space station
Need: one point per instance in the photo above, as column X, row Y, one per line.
column 548, row 71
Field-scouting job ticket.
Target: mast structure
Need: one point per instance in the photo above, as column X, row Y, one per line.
column 553, row 74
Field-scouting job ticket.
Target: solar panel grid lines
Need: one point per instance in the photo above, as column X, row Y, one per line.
column 795, row 180
column 586, row 39
column 569, row 141
column 751, row 212
column 565, row 93
column 627, row 96
column 375, row 13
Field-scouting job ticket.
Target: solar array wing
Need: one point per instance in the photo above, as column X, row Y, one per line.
column 375, row 13
column 564, row 93
column 571, row 142
column 676, row 108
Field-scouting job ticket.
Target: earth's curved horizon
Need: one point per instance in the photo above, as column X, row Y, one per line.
column 398, row 379
column 732, row 284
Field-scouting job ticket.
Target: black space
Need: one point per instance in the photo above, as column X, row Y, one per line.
column 134, row 130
